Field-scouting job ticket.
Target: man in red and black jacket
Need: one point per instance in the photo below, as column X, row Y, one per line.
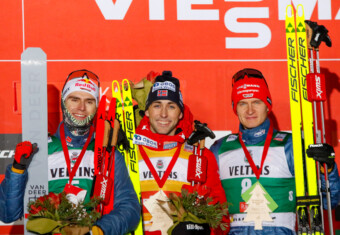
column 163, row 153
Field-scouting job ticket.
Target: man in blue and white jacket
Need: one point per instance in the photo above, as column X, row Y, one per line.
column 79, row 107
column 257, row 167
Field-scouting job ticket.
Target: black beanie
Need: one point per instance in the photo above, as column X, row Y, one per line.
column 166, row 87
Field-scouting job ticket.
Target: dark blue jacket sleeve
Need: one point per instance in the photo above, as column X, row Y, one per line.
column 125, row 216
column 334, row 186
column 12, row 190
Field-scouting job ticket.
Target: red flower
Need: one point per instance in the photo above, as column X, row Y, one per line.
column 34, row 210
column 55, row 199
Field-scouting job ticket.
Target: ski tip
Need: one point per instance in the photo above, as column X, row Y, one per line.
column 115, row 87
column 33, row 54
column 126, row 84
column 289, row 11
column 300, row 11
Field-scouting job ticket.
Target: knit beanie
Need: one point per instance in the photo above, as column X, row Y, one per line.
column 166, row 87
column 250, row 87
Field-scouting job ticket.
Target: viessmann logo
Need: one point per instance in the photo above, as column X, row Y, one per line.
column 233, row 18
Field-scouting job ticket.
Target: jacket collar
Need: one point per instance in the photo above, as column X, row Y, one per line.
column 255, row 135
column 72, row 140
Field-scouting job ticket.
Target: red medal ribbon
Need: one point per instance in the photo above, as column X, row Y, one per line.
column 256, row 170
column 73, row 171
column 159, row 181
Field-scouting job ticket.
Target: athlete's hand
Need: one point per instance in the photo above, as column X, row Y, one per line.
column 24, row 153
column 323, row 153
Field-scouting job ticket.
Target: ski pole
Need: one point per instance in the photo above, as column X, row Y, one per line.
column 105, row 143
column 317, row 95
column 113, row 146
column 197, row 164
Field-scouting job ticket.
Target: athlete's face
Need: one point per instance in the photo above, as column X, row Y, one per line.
column 164, row 116
column 251, row 112
column 80, row 104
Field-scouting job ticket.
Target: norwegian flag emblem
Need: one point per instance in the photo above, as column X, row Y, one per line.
column 162, row 93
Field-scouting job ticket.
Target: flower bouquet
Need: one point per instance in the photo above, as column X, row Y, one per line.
column 55, row 213
column 194, row 212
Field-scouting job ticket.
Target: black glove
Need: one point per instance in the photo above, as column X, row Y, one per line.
column 122, row 139
column 320, row 34
column 24, row 153
column 190, row 228
column 201, row 132
column 323, row 153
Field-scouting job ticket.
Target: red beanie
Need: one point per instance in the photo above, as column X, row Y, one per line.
column 248, row 88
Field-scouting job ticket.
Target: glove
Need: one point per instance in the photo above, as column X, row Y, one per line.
column 122, row 139
column 24, row 153
column 323, row 153
column 319, row 34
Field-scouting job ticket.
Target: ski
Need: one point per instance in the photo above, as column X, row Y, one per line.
column 129, row 122
column 99, row 137
column 309, row 214
column 34, row 121
column 110, row 155
column 116, row 93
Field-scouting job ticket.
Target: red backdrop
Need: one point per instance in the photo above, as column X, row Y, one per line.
column 204, row 42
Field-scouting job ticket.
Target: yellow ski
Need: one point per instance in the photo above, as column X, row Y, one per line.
column 307, row 122
column 116, row 93
column 294, row 96
column 129, row 120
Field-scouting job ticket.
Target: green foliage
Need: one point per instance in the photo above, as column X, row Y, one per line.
column 58, row 208
column 201, row 207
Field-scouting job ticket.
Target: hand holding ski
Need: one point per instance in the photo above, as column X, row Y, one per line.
column 24, row 153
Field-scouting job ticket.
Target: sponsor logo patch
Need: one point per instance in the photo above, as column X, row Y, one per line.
column 68, row 139
column 231, row 138
column 243, row 207
column 245, row 86
column 188, row 148
column 248, row 95
column 142, row 140
column 280, row 136
column 170, row 145
column 164, row 86
column 160, row 164
column 260, row 133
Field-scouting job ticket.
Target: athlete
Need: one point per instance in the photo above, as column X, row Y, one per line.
column 79, row 101
column 258, row 161
column 163, row 152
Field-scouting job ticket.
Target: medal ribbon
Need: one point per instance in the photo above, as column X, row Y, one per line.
column 159, row 181
column 72, row 172
column 256, row 170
